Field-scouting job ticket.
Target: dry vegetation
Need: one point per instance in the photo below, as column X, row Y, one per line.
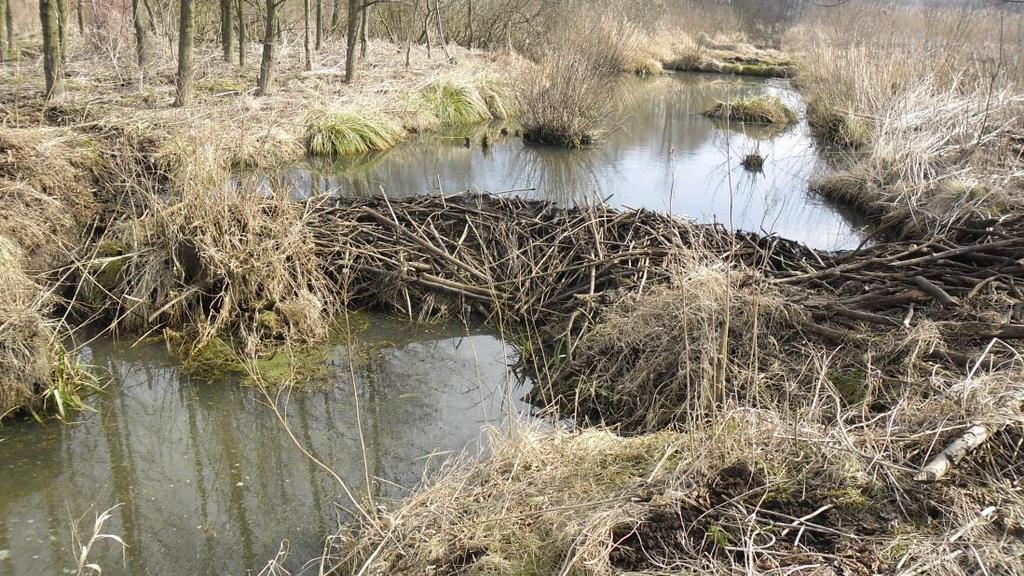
column 930, row 102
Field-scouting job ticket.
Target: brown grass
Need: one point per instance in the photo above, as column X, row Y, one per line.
column 934, row 110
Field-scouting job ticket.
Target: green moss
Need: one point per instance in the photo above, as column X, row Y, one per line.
column 719, row 536
column 108, row 264
column 213, row 360
column 221, row 86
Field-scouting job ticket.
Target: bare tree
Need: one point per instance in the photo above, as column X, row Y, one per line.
column 9, row 22
column 3, row 32
column 185, row 41
column 80, row 10
column 52, row 70
column 62, row 29
column 307, row 42
column 319, row 24
column 364, row 22
column 241, row 34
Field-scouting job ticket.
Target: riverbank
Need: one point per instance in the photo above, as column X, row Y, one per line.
column 118, row 206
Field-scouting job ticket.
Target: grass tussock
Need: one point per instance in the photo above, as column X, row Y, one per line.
column 755, row 110
column 227, row 262
column 456, row 103
column 348, row 133
column 36, row 374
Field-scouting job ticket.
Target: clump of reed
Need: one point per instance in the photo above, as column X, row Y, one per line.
column 349, row 132
column 36, row 374
column 755, row 110
column 571, row 93
column 753, row 162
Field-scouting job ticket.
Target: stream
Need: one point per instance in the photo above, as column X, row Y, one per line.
column 206, row 479
column 210, row 483
column 659, row 152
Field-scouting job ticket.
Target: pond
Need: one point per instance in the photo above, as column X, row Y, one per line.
column 210, row 483
column 659, row 152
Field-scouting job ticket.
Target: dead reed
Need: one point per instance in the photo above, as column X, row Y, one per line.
column 932, row 110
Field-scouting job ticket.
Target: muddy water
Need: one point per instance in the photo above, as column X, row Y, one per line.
column 659, row 152
column 208, row 481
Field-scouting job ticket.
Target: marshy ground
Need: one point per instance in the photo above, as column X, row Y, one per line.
column 294, row 281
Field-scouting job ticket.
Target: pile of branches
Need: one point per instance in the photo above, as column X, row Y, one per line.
column 533, row 261
column 527, row 259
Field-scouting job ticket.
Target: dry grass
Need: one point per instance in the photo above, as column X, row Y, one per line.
column 224, row 261
column 934, row 111
column 750, row 491
column 756, row 110
column 721, row 54
column 713, row 333
column 573, row 90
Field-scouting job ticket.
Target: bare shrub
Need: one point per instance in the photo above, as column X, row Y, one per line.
column 573, row 90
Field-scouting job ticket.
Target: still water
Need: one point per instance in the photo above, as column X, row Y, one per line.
column 659, row 152
column 210, row 483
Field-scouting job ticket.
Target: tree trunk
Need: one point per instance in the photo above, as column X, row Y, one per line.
column 62, row 29
column 184, row 79
column 336, row 15
column 241, row 35
column 81, row 16
column 307, row 44
column 426, row 31
column 140, row 34
column 52, row 72
column 363, row 20
column 3, row 32
column 319, row 24
column 469, row 20
column 267, row 61
column 350, row 46
column 225, row 29
column 9, row 21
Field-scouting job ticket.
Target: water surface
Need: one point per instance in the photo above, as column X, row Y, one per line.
column 659, row 152
column 210, row 483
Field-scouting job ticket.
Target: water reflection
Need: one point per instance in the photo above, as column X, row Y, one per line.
column 660, row 153
column 209, row 482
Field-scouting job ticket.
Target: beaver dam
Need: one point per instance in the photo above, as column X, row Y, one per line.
column 510, row 288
